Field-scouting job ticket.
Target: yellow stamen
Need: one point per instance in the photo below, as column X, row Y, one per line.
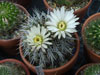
column 38, row 39
column 62, row 25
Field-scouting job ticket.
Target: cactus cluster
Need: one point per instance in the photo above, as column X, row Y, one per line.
column 92, row 35
column 93, row 69
column 11, row 68
column 10, row 19
column 60, row 50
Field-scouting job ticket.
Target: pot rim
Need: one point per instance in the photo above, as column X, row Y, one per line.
column 48, row 7
column 83, row 27
column 83, row 67
column 61, row 67
column 16, row 61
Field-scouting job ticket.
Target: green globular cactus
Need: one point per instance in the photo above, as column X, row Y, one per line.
column 92, row 35
column 5, row 70
column 91, row 70
column 10, row 17
column 11, row 68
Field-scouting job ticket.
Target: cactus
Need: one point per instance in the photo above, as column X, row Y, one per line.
column 64, row 2
column 75, row 4
column 93, row 69
column 92, row 35
column 10, row 18
column 60, row 50
column 11, row 68
column 5, row 70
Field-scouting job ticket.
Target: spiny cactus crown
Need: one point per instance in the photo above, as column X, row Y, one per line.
column 8, row 15
column 4, row 70
column 91, row 70
column 10, row 18
column 11, row 68
column 92, row 34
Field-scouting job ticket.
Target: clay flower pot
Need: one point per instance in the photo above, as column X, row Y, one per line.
column 59, row 70
column 10, row 46
column 80, row 13
column 18, row 62
column 93, row 57
column 82, row 68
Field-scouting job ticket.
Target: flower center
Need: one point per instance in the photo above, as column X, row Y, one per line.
column 61, row 25
column 38, row 39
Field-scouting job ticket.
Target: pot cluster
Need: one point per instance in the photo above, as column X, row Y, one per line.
column 46, row 39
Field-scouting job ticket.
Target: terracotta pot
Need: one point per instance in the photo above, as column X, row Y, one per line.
column 59, row 70
column 22, row 2
column 80, row 13
column 10, row 46
column 83, row 67
column 16, row 61
column 93, row 57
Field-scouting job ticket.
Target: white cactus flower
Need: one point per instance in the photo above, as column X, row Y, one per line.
column 38, row 38
column 62, row 22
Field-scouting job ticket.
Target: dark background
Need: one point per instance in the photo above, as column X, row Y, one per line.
column 94, row 8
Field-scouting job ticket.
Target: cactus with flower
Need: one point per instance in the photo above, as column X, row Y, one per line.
column 49, row 38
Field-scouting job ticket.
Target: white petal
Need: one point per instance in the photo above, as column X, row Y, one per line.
column 59, row 36
column 54, row 17
column 43, row 31
column 43, row 45
column 56, row 34
column 46, row 39
column 51, row 23
column 38, row 47
column 72, row 25
column 71, row 30
column 69, row 34
column 43, row 50
column 33, row 48
column 49, row 43
column 63, row 34
column 52, row 28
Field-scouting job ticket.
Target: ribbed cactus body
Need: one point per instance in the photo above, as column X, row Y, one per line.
column 8, row 15
column 4, row 70
column 11, row 68
column 11, row 19
column 92, row 70
column 92, row 34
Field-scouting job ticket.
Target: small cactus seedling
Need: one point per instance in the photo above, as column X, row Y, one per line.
column 10, row 17
column 93, row 69
column 92, row 35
